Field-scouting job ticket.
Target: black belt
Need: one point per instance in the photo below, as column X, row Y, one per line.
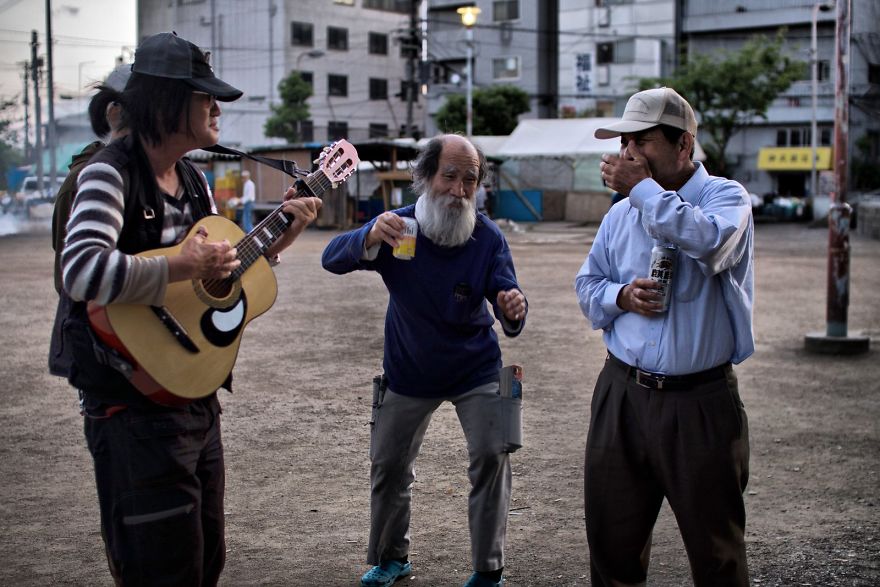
column 671, row 382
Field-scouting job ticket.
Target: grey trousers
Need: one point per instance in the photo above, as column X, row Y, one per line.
column 399, row 428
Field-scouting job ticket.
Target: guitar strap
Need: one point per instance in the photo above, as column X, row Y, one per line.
column 283, row 165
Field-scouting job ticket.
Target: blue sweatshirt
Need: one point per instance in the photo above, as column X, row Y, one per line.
column 439, row 339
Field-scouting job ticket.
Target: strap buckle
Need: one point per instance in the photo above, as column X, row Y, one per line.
column 648, row 380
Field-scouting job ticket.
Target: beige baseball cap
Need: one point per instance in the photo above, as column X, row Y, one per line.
column 650, row 108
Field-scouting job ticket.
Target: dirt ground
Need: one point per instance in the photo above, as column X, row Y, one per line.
column 296, row 430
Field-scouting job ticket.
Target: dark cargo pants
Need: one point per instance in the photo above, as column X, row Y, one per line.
column 160, row 479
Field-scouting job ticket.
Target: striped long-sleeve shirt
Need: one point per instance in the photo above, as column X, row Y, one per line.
column 93, row 268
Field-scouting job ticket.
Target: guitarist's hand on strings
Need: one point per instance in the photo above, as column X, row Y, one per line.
column 200, row 259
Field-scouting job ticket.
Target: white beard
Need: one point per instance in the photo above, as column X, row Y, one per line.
column 446, row 225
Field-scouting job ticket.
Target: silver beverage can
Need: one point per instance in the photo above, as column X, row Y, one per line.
column 662, row 270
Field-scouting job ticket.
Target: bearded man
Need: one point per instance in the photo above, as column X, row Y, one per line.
column 439, row 346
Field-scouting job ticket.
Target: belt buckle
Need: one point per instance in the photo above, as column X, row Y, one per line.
column 648, row 380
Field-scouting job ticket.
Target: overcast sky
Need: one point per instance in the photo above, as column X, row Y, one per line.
column 89, row 36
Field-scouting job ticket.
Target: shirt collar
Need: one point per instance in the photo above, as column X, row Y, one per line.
column 690, row 191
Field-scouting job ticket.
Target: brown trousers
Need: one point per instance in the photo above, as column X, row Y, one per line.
column 690, row 447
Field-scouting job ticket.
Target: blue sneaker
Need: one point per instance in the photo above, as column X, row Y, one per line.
column 386, row 574
column 478, row 580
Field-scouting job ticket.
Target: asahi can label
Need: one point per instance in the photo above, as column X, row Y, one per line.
column 662, row 270
column 406, row 246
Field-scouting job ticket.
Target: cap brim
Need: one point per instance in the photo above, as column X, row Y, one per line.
column 216, row 87
column 624, row 126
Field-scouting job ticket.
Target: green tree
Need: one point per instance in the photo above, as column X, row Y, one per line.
column 731, row 88
column 9, row 155
column 287, row 117
column 496, row 111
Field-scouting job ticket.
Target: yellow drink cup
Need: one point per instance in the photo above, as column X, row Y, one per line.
column 406, row 248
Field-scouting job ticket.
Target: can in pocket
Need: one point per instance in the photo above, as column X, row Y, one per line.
column 510, row 390
column 406, row 246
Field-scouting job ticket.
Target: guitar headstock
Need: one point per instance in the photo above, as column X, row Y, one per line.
column 338, row 161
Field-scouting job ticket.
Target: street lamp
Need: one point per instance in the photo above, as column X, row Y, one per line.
column 814, row 63
column 314, row 54
column 469, row 19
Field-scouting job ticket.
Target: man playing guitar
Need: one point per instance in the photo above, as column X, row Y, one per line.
column 159, row 469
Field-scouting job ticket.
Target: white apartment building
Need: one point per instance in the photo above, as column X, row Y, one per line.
column 350, row 50
column 605, row 46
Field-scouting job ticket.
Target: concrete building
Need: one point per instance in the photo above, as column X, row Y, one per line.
column 773, row 156
column 349, row 50
column 514, row 42
column 606, row 46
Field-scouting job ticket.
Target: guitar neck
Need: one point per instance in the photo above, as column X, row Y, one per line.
column 255, row 244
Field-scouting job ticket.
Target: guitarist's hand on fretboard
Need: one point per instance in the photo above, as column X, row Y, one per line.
column 304, row 211
column 200, row 259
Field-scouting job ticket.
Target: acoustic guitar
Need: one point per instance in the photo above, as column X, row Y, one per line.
column 185, row 349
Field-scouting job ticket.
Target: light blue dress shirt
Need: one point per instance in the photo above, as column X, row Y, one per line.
column 709, row 321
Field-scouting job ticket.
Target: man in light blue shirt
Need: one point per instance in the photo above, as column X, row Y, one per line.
column 666, row 419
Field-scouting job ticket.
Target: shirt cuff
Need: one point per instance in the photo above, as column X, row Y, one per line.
column 510, row 327
column 643, row 190
column 370, row 254
column 609, row 300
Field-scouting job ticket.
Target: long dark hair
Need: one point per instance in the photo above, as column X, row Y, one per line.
column 156, row 105
column 98, row 109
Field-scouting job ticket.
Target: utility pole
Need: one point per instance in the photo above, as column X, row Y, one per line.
column 836, row 339
column 412, row 55
column 271, row 94
column 27, row 119
column 36, row 63
column 51, row 142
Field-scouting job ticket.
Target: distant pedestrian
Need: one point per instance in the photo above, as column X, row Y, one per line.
column 248, row 197
column 666, row 419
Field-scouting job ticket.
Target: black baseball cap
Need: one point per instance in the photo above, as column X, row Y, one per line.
column 167, row 55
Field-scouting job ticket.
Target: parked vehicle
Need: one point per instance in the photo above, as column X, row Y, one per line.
column 31, row 201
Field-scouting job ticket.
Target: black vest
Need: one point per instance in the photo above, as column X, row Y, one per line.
column 72, row 351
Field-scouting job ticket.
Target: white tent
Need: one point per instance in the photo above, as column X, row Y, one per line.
column 563, row 137
column 560, row 159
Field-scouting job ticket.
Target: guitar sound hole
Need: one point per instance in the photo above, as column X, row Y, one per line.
column 218, row 288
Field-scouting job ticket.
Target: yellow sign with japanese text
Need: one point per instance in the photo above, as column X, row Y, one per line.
column 793, row 158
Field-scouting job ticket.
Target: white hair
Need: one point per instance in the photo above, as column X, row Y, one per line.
column 446, row 220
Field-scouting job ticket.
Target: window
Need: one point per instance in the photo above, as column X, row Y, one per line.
column 403, row 89
column 389, row 5
column 604, row 53
column 873, row 73
column 378, row 131
column 504, row 10
column 378, row 44
column 337, row 129
column 378, row 89
column 781, row 138
column 505, row 68
column 306, row 131
column 301, row 34
column 825, row 137
column 337, row 85
column 823, row 70
column 308, row 77
column 346, row 2
column 337, row 38
column 618, row 52
column 800, row 137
